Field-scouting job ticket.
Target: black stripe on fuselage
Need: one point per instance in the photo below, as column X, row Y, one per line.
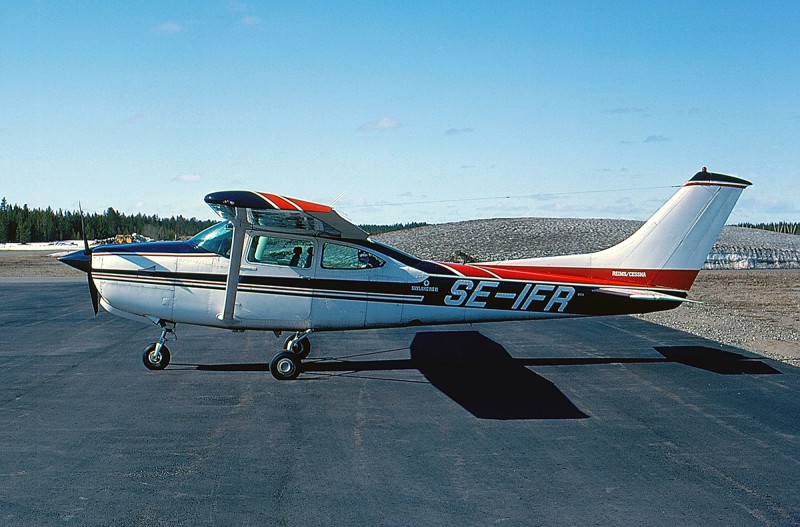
column 312, row 287
column 494, row 294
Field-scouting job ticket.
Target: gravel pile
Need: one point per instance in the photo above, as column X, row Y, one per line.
column 504, row 239
column 755, row 310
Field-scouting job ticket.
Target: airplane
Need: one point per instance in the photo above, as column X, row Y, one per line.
column 280, row 264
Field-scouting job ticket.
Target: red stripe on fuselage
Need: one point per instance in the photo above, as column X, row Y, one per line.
column 680, row 279
column 469, row 270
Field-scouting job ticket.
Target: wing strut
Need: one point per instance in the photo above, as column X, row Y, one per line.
column 232, row 283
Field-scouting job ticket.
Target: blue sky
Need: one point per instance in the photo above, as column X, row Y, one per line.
column 406, row 111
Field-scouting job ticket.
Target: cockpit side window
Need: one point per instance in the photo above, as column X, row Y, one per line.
column 216, row 239
column 335, row 256
column 288, row 252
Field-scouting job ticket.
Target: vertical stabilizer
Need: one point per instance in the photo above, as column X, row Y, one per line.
column 681, row 233
column 670, row 248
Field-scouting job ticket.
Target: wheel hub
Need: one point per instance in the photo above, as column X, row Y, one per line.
column 285, row 366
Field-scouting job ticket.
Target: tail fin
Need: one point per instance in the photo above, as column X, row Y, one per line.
column 670, row 248
column 681, row 233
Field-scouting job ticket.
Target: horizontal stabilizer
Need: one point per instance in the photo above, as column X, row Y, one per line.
column 640, row 294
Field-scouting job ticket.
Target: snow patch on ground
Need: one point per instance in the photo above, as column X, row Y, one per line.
column 66, row 246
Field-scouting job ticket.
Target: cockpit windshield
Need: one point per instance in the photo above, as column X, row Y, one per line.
column 216, row 239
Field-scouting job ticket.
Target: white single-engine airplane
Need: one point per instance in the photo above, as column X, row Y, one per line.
column 282, row 264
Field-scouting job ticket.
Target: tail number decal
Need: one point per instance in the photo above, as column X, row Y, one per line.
column 485, row 294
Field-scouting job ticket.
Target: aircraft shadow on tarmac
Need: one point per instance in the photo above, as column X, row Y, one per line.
column 715, row 360
column 480, row 375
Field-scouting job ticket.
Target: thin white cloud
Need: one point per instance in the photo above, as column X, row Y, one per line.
column 237, row 6
column 251, row 20
column 169, row 28
column 458, row 131
column 384, row 123
column 188, row 178
column 625, row 110
column 656, row 139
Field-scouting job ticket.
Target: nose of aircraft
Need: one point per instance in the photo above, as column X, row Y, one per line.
column 82, row 260
column 79, row 260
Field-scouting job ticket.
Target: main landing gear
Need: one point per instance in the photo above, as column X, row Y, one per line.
column 286, row 365
column 156, row 355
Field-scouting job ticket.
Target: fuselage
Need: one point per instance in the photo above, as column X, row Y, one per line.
column 283, row 264
column 294, row 282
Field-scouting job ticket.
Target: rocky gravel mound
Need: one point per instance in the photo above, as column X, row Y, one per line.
column 503, row 239
column 756, row 310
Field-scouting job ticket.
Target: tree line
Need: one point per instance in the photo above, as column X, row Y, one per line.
column 381, row 229
column 25, row 225
column 784, row 227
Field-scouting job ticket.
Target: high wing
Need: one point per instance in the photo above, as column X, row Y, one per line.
column 270, row 212
column 247, row 210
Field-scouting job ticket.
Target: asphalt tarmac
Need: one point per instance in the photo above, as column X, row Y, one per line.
column 601, row 421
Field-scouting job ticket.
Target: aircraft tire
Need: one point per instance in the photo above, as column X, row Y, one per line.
column 153, row 362
column 285, row 366
column 301, row 348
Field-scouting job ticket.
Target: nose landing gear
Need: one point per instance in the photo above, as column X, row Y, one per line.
column 156, row 355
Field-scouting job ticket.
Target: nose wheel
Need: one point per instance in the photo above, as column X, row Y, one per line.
column 156, row 355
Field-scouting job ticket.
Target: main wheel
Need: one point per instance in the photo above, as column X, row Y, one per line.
column 301, row 348
column 155, row 360
column 285, row 366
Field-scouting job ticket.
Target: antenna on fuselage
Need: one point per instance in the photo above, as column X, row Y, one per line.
column 337, row 198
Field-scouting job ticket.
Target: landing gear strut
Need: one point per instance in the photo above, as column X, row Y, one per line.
column 156, row 355
column 286, row 365
column 299, row 344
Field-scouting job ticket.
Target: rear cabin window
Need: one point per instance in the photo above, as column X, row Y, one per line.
column 335, row 256
column 281, row 251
